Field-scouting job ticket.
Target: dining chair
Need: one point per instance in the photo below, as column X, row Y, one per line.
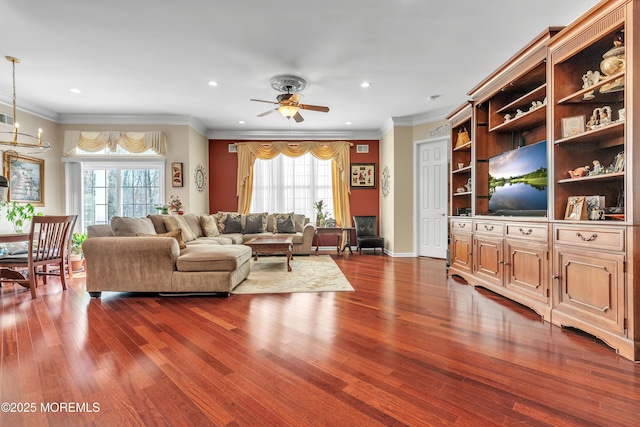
column 48, row 244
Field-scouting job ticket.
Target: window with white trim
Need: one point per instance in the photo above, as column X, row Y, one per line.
column 292, row 184
column 109, row 189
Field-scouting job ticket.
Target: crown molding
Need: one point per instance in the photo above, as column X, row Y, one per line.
column 291, row 135
column 30, row 108
column 132, row 119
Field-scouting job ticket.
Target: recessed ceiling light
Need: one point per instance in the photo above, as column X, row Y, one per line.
column 365, row 84
column 74, row 90
column 241, row 122
column 347, row 123
column 213, row 83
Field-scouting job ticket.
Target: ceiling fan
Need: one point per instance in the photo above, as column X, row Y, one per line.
column 289, row 101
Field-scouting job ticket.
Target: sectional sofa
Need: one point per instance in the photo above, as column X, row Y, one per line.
column 182, row 253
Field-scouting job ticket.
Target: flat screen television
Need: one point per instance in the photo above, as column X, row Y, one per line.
column 518, row 181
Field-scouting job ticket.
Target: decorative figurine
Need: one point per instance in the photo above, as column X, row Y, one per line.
column 578, row 172
column 519, row 112
column 507, row 117
column 597, row 168
column 593, row 120
column 605, row 116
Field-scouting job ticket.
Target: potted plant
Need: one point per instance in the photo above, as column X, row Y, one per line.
column 77, row 257
column 19, row 215
column 162, row 209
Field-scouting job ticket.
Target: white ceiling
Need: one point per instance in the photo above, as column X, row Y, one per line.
column 140, row 60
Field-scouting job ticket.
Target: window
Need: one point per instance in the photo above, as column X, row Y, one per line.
column 123, row 189
column 292, row 184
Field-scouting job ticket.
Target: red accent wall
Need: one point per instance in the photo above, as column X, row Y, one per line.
column 223, row 170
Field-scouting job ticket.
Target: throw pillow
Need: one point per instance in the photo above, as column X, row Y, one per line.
column 194, row 224
column 209, row 224
column 125, row 226
column 299, row 222
column 279, row 216
column 175, row 222
column 222, row 217
column 176, row 234
column 255, row 223
column 285, row 225
column 233, row 224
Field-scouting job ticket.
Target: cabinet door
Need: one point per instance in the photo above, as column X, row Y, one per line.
column 488, row 259
column 590, row 287
column 526, row 269
column 461, row 251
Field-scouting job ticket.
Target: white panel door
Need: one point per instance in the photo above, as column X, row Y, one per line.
column 432, row 199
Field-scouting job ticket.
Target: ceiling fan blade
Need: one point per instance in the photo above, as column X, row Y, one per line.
column 261, row 100
column 297, row 117
column 314, row 107
column 267, row 112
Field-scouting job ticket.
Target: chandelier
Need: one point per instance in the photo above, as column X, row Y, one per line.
column 16, row 140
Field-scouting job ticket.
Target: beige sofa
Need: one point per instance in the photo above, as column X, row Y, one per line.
column 137, row 254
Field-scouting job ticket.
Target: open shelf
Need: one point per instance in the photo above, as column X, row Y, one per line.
column 465, row 169
column 464, row 147
column 596, row 135
column 601, row 177
column 578, row 97
column 530, row 119
column 538, row 94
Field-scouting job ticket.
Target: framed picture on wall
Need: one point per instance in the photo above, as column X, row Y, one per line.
column 363, row 175
column 26, row 178
column 176, row 174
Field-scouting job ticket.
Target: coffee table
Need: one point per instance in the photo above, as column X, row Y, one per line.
column 272, row 245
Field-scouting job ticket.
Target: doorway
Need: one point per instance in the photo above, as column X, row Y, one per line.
column 431, row 197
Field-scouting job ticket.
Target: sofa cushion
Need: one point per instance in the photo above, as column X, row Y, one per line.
column 158, row 223
column 232, row 223
column 213, row 257
column 209, row 224
column 175, row 222
column 126, row 226
column 280, row 216
column 193, row 221
column 284, row 225
column 299, row 222
column 255, row 223
column 222, row 218
column 176, row 234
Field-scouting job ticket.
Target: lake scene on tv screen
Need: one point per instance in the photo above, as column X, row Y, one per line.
column 518, row 179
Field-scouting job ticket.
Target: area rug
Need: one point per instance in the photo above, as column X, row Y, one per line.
column 310, row 274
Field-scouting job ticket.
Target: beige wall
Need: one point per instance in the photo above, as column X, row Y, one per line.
column 53, row 168
column 387, row 211
column 198, row 155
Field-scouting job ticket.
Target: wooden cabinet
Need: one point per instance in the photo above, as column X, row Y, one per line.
column 592, row 125
column 512, row 259
column 461, row 178
column 461, row 259
column 576, row 88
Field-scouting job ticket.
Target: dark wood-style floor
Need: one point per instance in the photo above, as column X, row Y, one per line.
column 409, row 347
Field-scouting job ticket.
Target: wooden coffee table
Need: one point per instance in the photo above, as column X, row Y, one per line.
column 273, row 245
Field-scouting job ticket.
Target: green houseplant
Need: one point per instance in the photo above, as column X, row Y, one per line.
column 77, row 239
column 20, row 214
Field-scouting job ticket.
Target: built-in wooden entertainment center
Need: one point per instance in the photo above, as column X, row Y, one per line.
column 576, row 89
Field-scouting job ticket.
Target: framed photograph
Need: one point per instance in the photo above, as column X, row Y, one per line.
column 26, row 178
column 573, row 126
column 176, row 174
column 576, row 208
column 363, row 175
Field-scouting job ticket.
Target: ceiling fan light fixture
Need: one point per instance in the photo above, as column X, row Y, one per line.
column 288, row 110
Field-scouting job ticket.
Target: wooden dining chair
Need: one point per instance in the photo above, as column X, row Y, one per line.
column 48, row 244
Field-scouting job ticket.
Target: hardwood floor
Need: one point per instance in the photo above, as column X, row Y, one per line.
column 409, row 347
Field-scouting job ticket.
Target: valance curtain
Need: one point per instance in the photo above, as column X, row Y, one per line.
column 134, row 142
column 337, row 151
